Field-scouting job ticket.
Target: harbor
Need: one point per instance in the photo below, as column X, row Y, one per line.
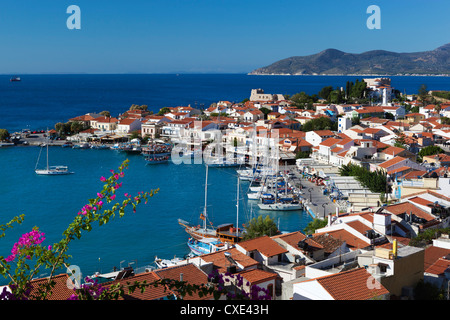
column 45, row 203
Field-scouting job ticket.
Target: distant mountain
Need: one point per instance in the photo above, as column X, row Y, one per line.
column 376, row 62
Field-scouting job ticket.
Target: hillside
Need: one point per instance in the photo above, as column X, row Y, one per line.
column 376, row 62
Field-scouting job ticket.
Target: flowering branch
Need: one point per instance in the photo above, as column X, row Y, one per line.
column 55, row 256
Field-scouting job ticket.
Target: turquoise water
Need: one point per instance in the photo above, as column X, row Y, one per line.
column 51, row 203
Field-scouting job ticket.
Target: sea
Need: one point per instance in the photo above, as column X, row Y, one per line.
column 51, row 203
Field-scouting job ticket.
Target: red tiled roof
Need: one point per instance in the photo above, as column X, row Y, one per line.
column 359, row 226
column 59, row 292
column 432, row 254
column 265, row 245
column 391, row 162
column 401, row 169
column 420, row 201
column 408, row 207
column 352, row 285
column 439, row 267
column 256, row 276
column 221, row 262
column 330, row 142
column 350, row 239
column 191, row 274
column 294, row 238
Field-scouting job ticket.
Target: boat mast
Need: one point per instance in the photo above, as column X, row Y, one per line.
column 206, row 199
column 237, row 209
column 47, row 149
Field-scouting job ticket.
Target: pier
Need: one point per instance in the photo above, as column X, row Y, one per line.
column 317, row 204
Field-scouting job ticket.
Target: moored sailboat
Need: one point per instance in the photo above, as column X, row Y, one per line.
column 50, row 170
column 224, row 232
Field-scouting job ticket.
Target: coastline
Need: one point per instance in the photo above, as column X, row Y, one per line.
column 350, row 75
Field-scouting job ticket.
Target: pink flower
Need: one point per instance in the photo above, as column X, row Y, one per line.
column 100, row 203
column 49, row 248
column 99, row 195
column 103, row 179
column 113, row 197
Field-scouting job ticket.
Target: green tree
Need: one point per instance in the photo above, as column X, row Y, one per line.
column 266, row 111
column 4, row 134
column 375, row 181
column 324, row 93
column 337, row 96
column 428, row 151
column 301, row 99
column 302, row 154
column 423, row 93
column 106, row 113
column 322, row 123
column 138, row 107
column 76, row 127
column 258, row 227
column 428, row 291
column 163, row 111
column 312, row 226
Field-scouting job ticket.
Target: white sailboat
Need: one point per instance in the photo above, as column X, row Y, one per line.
column 50, row 170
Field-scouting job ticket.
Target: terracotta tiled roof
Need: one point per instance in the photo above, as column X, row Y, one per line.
column 59, row 292
column 413, row 174
column 350, row 239
column 391, row 162
column 439, row 267
column 359, row 226
column 150, row 292
column 432, row 254
column 393, row 150
column 324, row 133
column 330, row 142
column 399, row 170
column 352, row 285
column 421, row 201
column 221, row 263
column 191, row 274
column 264, row 245
column 294, row 238
column 407, row 207
column 256, row 276
column 328, row 242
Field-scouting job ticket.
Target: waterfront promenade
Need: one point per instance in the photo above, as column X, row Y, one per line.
column 319, row 204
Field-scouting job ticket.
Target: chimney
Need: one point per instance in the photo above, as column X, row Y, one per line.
column 181, row 277
column 394, row 248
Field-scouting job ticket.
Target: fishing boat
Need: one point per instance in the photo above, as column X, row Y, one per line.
column 225, row 232
column 99, row 146
column 166, row 263
column 206, row 245
column 157, row 149
column 51, row 170
column 134, row 146
column 157, row 160
column 273, row 205
column 15, row 79
column 81, row 146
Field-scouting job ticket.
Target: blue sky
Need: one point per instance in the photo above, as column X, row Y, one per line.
column 160, row 36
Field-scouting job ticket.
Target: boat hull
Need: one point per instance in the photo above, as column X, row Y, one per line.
column 280, row 207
